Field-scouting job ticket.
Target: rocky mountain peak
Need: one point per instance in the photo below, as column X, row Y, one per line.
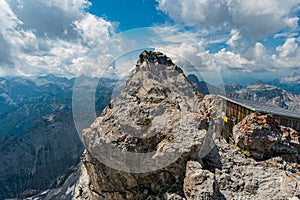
column 154, row 141
column 154, row 57
column 145, row 135
column 157, row 78
column 155, row 62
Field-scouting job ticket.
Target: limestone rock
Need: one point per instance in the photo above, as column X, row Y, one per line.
column 199, row 183
column 152, row 142
column 139, row 147
column 241, row 177
column 263, row 137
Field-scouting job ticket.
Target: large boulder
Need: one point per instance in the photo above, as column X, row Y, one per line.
column 263, row 137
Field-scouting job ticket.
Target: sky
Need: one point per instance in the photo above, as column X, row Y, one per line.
column 242, row 40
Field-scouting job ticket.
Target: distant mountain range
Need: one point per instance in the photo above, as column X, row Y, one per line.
column 290, row 83
column 260, row 92
column 39, row 144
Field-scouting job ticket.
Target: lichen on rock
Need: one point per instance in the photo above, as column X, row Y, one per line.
column 264, row 138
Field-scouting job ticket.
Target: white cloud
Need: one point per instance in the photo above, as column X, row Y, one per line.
column 187, row 54
column 51, row 18
column 245, row 27
column 235, row 36
column 183, row 51
column 289, row 54
column 69, row 5
column 40, row 37
column 55, row 36
column 93, row 29
column 254, row 18
column 292, row 22
column 288, row 49
column 258, row 59
column 13, row 37
column 259, row 51
column 7, row 17
column 195, row 13
column 228, row 60
column 286, row 35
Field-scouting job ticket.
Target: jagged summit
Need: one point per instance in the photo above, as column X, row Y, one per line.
column 156, row 72
column 156, row 61
column 154, row 57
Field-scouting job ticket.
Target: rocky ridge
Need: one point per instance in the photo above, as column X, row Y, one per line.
column 269, row 94
column 160, row 117
column 35, row 123
column 41, row 158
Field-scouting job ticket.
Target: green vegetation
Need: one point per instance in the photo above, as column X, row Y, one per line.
column 244, row 151
column 147, row 122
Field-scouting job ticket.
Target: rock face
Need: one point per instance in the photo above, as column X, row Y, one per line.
column 200, row 183
column 41, row 158
column 65, row 191
column 153, row 141
column 263, row 137
column 240, row 177
column 149, row 132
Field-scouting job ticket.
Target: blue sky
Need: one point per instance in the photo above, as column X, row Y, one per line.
column 129, row 14
column 242, row 40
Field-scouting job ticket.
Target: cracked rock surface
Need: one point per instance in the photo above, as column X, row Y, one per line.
column 148, row 144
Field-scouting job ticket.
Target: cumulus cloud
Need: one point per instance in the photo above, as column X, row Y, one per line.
column 13, row 38
column 39, row 37
column 258, row 59
column 93, row 29
column 55, row 36
column 288, row 49
column 245, row 30
column 52, row 18
column 292, row 22
column 182, row 47
column 289, row 54
column 253, row 18
column 231, row 61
